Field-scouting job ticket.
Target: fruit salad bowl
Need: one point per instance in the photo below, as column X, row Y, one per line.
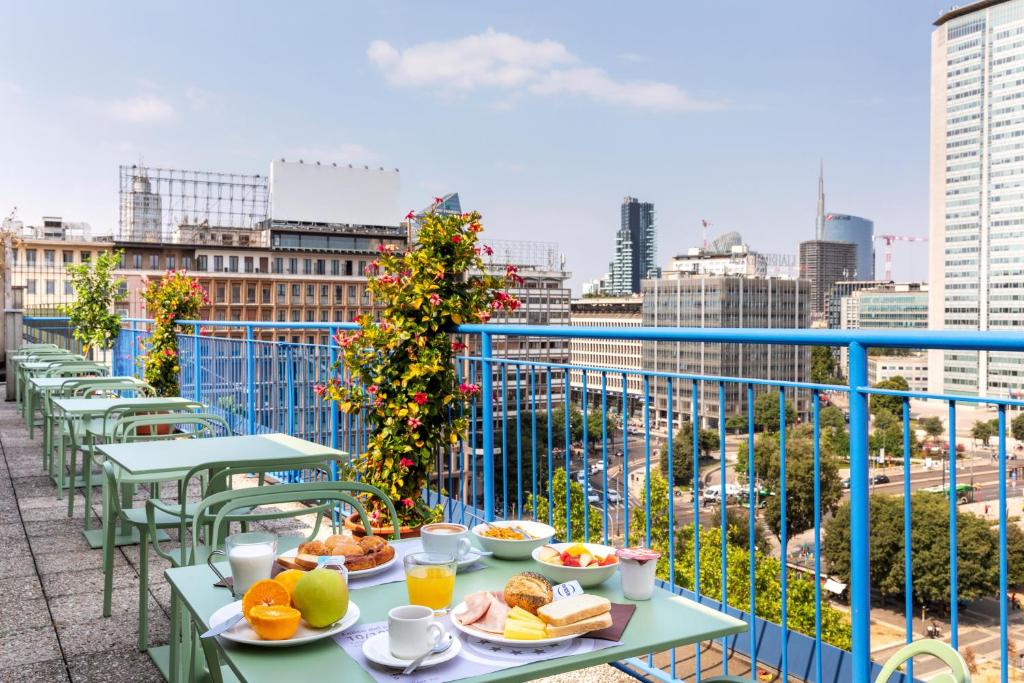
column 589, row 563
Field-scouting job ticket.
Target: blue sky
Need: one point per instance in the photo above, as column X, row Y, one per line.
column 542, row 115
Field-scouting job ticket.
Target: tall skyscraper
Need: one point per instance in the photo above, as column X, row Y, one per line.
column 141, row 215
column 825, row 263
column 841, row 227
column 635, row 248
column 976, row 253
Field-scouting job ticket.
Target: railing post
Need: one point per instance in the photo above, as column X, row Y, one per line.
column 135, row 350
column 331, row 405
column 289, row 375
column 250, row 378
column 487, row 414
column 197, row 368
column 860, row 564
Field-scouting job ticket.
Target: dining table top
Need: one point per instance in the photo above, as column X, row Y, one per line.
column 58, row 382
column 172, row 455
column 665, row 621
column 80, row 407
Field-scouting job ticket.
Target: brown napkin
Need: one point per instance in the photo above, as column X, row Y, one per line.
column 275, row 569
column 621, row 614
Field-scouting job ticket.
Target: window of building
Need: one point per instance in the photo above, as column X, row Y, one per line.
column 307, row 266
column 236, row 294
column 30, row 257
column 218, row 264
column 86, row 256
column 296, row 294
column 51, row 286
column 154, row 262
column 201, row 263
column 335, row 267
column 309, row 315
column 323, row 316
column 281, row 290
column 352, row 294
column 348, row 267
column 280, row 316
column 293, row 266
column 277, row 264
column 68, row 256
column 323, row 294
column 265, row 316
column 68, row 289
column 362, row 268
column 49, row 257
column 233, row 264
column 321, row 267
column 338, row 294
column 186, row 262
column 310, row 293
column 30, row 286
column 137, row 261
column 309, row 339
column 266, row 295
column 219, row 296
column 236, row 315
column 337, row 315
column 172, row 262
column 14, row 256
column 250, row 294
column 219, row 315
column 295, row 315
column 248, row 264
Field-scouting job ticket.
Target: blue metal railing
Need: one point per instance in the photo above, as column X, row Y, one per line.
column 263, row 385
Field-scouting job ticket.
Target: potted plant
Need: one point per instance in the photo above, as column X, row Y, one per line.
column 400, row 373
column 173, row 297
column 90, row 314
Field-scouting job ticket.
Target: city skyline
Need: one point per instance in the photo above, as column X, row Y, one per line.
column 543, row 138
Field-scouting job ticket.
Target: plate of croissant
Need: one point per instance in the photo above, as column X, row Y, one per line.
column 361, row 556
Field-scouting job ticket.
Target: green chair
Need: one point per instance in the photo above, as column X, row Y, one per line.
column 215, row 514
column 958, row 668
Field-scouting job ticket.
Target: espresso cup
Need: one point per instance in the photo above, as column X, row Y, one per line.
column 447, row 539
column 412, row 631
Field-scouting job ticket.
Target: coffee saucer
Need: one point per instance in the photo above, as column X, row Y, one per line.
column 377, row 651
column 471, row 558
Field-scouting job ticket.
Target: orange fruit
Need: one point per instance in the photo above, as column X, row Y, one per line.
column 289, row 578
column 274, row 622
column 265, row 592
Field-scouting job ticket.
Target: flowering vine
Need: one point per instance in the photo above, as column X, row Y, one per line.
column 400, row 373
column 175, row 296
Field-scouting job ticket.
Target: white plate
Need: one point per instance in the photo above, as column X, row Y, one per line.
column 376, row 650
column 472, row 558
column 471, row 630
column 353, row 574
column 243, row 633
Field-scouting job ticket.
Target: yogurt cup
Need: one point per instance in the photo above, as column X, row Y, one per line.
column 637, row 567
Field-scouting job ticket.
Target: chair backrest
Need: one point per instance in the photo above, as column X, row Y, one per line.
column 148, row 427
column 936, row 648
column 217, row 511
column 38, row 347
column 75, row 369
column 154, row 406
column 90, row 387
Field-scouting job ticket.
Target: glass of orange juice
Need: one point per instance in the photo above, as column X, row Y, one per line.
column 430, row 579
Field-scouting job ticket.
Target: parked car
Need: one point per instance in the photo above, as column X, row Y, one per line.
column 846, row 483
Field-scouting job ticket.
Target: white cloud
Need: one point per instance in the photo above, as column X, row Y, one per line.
column 346, row 153
column 201, row 100
column 139, row 109
column 515, row 66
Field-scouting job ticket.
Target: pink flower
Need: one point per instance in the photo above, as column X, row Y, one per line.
column 420, row 398
column 488, row 250
column 438, row 200
column 435, row 299
column 409, row 216
column 414, row 423
column 405, row 462
column 407, row 502
column 469, row 389
column 456, row 238
column 458, row 346
column 372, row 389
column 319, row 389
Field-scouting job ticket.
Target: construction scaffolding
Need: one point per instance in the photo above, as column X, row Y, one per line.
column 155, row 203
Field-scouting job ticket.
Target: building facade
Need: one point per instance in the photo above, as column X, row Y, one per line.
column 976, row 250
column 736, row 261
column 839, row 291
column 722, row 302
column 635, row 248
column 841, row 227
column 892, row 306
column 615, row 354
column 822, row 264
column 913, row 368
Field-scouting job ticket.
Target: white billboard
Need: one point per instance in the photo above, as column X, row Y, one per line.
column 333, row 194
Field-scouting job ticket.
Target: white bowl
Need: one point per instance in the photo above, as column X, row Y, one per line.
column 587, row 576
column 514, row 550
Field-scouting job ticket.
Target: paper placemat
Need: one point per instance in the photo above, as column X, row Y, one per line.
column 478, row 657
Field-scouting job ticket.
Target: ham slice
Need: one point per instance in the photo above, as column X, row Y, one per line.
column 486, row 611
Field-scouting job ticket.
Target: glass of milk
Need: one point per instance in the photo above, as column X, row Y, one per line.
column 251, row 557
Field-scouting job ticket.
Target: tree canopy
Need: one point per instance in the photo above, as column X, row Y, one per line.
column 977, row 552
column 824, row 369
column 932, row 426
column 880, row 403
column 578, row 505
column 90, row 314
column 766, row 412
column 682, row 453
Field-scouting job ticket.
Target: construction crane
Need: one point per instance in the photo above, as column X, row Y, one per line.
column 889, row 239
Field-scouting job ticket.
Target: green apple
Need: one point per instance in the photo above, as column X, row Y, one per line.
column 321, row 596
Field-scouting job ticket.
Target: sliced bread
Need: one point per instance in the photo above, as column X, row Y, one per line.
column 584, row 626
column 576, row 608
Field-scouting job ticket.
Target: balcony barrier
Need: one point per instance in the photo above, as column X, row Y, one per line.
column 500, row 468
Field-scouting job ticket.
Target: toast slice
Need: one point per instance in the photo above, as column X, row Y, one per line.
column 576, row 608
column 289, row 563
column 584, row 626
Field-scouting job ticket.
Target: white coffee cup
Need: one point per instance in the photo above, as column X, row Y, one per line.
column 412, row 631
column 446, row 538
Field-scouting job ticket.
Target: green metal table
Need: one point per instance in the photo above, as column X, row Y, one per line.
column 170, row 459
column 661, row 623
column 75, row 411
